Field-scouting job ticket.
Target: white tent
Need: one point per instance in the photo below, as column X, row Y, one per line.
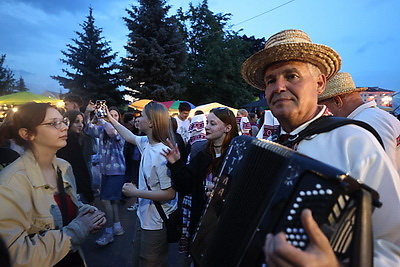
column 207, row 107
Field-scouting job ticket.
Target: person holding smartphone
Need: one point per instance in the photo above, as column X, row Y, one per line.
column 112, row 168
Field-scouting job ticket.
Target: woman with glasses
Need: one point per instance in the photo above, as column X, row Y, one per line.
column 197, row 178
column 78, row 152
column 41, row 219
column 150, row 244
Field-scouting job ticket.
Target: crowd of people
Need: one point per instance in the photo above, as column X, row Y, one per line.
column 57, row 163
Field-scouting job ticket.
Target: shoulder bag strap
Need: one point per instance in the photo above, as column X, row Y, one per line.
column 157, row 203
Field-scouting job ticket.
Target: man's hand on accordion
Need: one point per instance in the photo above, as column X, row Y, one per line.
column 279, row 252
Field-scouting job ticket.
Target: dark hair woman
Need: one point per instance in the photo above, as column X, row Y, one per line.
column 41, row 219
column 112, row 169
column 197, row 178
column 78, row 154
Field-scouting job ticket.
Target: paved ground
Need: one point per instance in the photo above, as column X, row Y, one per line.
column 119, row 252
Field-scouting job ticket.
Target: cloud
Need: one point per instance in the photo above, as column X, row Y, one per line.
column 56, row 7
column 28, row 28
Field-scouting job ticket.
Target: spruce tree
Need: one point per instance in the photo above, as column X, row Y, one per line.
column 20, row 85
column 94, row 73
column 215, row 58
column 156, row 52
column 6, row 77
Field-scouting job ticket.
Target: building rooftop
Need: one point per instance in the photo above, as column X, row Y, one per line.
column 377, row 89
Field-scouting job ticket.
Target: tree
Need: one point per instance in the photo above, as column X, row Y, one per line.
column 20, row 85
column 6, row 77
column 215, row 58
column 94, row 73
column 154, row 66
column 254, row 45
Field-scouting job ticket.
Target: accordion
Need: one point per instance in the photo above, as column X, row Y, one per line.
column 262, row 188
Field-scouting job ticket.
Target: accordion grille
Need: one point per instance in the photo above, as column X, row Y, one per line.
column 265, row 162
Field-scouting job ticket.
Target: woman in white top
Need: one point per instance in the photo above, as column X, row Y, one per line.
column 151, row 246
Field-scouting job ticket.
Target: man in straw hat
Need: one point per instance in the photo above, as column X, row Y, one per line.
column 343, row 99
column 292, row 70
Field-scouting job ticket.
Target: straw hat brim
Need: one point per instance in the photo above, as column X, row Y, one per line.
column 341, row 91
column 324, row 57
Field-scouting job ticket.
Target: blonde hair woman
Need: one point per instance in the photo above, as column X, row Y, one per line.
column 154, row 184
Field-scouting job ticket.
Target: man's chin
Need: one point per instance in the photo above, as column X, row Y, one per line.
column 281, row 113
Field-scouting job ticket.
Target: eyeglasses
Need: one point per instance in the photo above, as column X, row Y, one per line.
column 57, row 123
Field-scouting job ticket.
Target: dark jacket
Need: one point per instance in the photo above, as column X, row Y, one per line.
column 73, row 153
column 189, row 179
column 132, row 161
column 181, row 146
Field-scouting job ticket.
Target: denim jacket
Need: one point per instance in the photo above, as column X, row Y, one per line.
column 111, row 147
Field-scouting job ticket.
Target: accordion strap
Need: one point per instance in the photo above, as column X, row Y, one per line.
column 326, row 124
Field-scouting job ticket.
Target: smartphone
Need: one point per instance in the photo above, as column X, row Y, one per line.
column 101, row 108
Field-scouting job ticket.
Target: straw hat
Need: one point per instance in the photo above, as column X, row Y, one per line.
column 340, row 84
column 289, row 45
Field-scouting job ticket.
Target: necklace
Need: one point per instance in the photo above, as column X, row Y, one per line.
column 217, row 146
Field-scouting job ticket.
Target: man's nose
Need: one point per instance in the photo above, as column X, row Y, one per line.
column 279, row 85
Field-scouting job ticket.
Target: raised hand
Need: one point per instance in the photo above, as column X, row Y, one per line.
column 172, row 154
column 109, row 117
column 90, row 107
column 279, row 252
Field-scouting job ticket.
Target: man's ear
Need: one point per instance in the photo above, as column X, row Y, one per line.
column 321, row 83
column 338, row 101
column 25, row 134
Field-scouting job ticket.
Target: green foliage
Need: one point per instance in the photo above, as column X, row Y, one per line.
column 215, row 58
column 93, row 73
column 6, row 77
column 20, row 86
column 156, row 52
column 192, row 56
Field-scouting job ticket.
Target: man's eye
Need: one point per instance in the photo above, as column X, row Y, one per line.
column 292, row 76
column 269, row 81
